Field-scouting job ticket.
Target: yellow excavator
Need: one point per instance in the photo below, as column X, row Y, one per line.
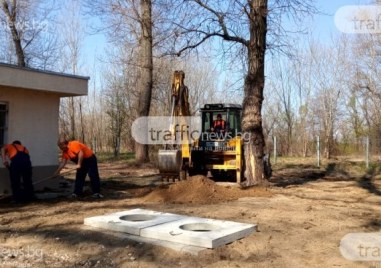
column 217, row 149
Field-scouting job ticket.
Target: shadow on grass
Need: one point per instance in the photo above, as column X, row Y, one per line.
column 373, row 225
column 298, row 166
column 108, row 157
column 368, row 184
column 299, row 176
column 112, row 188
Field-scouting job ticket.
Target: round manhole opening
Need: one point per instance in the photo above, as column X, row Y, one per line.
column 137, row 217
column 199, row 227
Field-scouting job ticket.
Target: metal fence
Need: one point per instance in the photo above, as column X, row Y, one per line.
column 364, row 149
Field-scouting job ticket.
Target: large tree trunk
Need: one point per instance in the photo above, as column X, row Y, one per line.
column 145, row 73
column 252, row 103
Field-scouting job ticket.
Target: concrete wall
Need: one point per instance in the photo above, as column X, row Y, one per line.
column 33, row 119
column 69, row 85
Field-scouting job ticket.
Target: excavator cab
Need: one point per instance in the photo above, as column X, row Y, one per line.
column 220, row 122
column 219, row 148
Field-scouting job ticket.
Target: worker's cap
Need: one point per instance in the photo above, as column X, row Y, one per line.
column 219, row 116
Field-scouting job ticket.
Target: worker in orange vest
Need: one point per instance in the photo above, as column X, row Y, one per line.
column 86, row 162
column 19, row 166
column 219, row 125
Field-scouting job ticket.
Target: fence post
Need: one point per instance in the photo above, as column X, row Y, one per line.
column 367, row 152
column 275, row 149
column 318, row 150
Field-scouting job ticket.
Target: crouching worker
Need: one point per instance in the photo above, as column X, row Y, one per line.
column 86, row 162
column 19, row 166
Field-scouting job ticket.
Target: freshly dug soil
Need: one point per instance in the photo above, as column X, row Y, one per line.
column 201, row 190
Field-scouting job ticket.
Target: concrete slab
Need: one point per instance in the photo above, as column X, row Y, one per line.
column 166, row 244
column 199, row 232
column 131, row 221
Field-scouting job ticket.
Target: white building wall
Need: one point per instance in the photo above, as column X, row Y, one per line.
column 33, row 119
column 33, row 98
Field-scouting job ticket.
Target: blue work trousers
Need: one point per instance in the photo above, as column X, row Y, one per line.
column 89, row 167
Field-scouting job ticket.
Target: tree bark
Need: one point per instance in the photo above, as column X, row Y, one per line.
column 72, row 118
column 145, row 72
column 253, row 98
column 11, row 14
column 328, row 140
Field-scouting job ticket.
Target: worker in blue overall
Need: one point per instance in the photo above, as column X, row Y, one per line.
column 19, row 166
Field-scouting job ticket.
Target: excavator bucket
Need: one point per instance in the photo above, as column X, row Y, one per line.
column 170, row 162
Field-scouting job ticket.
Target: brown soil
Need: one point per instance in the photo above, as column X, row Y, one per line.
column 201, row 190
column 301, row 219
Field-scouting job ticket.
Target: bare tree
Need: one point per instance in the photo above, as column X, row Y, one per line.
column 72, row 36
column 284, row 92
column 130, row 25
column 27, row 25
column 116, row 107
column 243, row 24
column 10, row 10
column 365, row 85
column 303, row 76
column 329, row 90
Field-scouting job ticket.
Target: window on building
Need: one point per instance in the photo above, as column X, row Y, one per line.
column 3, row 122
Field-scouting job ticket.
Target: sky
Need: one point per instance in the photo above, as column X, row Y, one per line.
column 322, row 28
column 324, row 25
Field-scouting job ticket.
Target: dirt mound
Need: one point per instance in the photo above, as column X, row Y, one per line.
column 201, row 190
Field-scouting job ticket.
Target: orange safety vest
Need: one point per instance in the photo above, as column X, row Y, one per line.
column 12, row 149
column 73, row 150
column 219, row 124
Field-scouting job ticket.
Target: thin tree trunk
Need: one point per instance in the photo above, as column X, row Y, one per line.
column 11, row 16
column 328, row 142
column 252, row 104
column 145, row 73
column 305, row 145
column 289, row 141
column 72, row 118
column 82, row 123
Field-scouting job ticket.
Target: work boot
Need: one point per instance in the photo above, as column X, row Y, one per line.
column 97, row 196
column 73, row 196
